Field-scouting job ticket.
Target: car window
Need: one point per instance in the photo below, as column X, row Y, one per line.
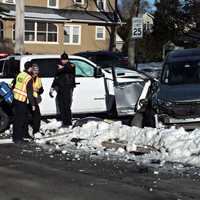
column 1, row 65
column 165, row 74
column 48, row 66
column 187, row 72
column 83, row 69
column 106, row 60
column 106, row 57
column 11, row 68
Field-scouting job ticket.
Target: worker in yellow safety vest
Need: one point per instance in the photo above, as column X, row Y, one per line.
column 37, row 91
column 23, row 93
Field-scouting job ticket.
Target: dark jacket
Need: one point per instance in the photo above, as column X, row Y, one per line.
column 64, row 77
column 29, row 89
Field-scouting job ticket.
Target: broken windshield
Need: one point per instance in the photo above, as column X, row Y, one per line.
column 181, row 73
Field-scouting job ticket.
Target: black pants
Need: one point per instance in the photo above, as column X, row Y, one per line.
column 64, row 102
column 20, row 124
column 36, row 119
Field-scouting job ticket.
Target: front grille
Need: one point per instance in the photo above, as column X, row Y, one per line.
column 186, row 110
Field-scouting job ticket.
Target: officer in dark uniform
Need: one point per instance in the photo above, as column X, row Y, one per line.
column 64, row 84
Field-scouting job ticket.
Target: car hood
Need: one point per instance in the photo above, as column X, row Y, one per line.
column 126, row 73
column 179, row 93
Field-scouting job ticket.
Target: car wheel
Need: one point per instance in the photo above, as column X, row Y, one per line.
column 149, row 118
column 137, row 120
column 4, row 121
column 81, row 122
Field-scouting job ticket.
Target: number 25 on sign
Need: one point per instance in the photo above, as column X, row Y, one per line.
column 137, row 27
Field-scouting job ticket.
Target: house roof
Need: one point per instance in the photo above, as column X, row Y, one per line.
column 61, row 15
column 149, row 15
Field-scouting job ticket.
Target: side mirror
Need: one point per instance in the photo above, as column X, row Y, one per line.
column 98, row 72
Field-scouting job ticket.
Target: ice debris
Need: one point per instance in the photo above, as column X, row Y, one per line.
column 174, row 145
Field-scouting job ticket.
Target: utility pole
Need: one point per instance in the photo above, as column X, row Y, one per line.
column 19, row 27
column 132, row 42
column 112, row 45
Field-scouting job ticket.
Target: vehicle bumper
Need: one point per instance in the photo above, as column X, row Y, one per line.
column 165, row 121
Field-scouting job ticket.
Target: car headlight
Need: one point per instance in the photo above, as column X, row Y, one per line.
column 164, row 103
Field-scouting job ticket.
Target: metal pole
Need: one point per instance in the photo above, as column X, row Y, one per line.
column 19, row 27
column 132, row 42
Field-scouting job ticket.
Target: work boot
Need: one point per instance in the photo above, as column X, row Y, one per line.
column 28, row 137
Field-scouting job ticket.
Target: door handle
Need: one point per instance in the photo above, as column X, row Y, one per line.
column 77, row 83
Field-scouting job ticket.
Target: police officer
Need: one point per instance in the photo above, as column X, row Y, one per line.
column 37, row 91
column 23, row 91
column 64, row 83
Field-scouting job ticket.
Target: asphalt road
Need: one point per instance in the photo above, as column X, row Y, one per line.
column 29, row 173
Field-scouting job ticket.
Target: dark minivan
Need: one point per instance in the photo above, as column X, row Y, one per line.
column 176, row 96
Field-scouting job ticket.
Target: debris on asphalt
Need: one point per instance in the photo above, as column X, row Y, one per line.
column 150, row 145
column 114, row 140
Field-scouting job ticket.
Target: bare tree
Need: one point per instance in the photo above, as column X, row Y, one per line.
column 114, row 16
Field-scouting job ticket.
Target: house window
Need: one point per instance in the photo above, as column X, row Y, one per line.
column 148, row 27
column 42, row 32
column 52, row 35
column 39, row 32
column 101, row 5
column 100, row 33
column 81, row 2
column 46, row 32
column 52, row 4
column 1, row 30
column 9, row 1
column 29, row 31
column 72, row 34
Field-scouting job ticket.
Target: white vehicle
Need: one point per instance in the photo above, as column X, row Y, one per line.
column 94, row 92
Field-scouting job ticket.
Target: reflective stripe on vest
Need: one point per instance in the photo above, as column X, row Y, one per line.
column 37, row 84
column 20, row 92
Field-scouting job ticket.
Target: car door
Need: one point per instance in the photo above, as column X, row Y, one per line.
column 127, row 94
column 89, row 95
column 9, row 69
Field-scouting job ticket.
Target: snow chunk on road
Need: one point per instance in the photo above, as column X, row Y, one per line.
column 53, row 124
column 175, row 145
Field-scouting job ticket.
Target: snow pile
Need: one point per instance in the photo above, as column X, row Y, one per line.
column 175, row 145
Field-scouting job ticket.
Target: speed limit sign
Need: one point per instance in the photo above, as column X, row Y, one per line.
column 137, row 27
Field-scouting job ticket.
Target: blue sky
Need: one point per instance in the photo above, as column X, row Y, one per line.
column 150, row 1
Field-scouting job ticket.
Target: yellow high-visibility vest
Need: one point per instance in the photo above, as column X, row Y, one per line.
column 20, row 92
column 37, row 84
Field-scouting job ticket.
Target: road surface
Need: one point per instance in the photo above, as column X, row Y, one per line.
column 29, row 173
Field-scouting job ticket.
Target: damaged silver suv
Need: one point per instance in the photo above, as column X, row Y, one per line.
column 176, row 97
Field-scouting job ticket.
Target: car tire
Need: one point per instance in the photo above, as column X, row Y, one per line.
column 137, row 120
column 4, row 121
